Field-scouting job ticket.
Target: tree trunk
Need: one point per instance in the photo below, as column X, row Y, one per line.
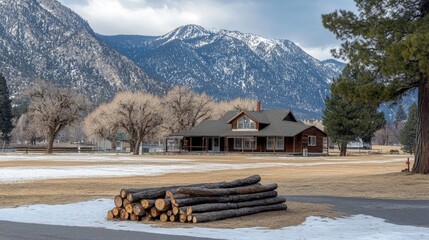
column 210, row 207
column 223, row 199
column 50, row 146
column 207, row 192
column 343, row 149
column 137, row 147
column 213, row 216
column 421, row 162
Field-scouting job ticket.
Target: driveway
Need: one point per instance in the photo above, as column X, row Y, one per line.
column 400, row 212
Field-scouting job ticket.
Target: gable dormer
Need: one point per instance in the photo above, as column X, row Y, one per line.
column 290, row 117
column 244, row 122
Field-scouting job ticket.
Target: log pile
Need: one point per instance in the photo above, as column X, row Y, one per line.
column 197, row 203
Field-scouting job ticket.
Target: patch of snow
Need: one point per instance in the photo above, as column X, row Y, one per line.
column 21, row 174
column 93, row 214
column 87, row 158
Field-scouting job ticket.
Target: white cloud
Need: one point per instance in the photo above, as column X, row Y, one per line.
column 147, row 18
column 320, row 53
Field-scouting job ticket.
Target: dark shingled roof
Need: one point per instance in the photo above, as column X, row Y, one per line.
column 272, row 121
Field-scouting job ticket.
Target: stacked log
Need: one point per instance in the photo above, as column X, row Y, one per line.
column 196, row 203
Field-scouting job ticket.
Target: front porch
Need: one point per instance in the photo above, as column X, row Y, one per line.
column 288, row 145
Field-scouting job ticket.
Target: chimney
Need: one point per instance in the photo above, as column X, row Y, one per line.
column 258, row 106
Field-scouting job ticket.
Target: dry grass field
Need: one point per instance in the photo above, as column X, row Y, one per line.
column 362, row 175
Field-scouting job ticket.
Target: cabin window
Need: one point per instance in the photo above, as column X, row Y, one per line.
column 244, row 143
column 246, row 123
column 312, row 141
column 275, row 141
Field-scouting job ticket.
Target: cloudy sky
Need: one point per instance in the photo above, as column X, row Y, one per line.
column 296, row 20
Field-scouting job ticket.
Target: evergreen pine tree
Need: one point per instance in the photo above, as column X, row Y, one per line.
column 408, row 133
column 347, row 119
column 6, row 125
column 390, row 38
column 400, row 114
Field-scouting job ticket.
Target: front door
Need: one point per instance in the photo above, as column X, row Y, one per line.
column 216, row 144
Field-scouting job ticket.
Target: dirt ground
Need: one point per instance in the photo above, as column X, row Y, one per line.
column 368, row 176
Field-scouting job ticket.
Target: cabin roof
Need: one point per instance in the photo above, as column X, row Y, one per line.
column 275, row 123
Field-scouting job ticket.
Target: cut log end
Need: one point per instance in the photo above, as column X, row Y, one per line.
column 110, row 215
column 118, row 201
column 129, row 207
column 124, row 215
column 154, row 212
column 138, row 209
column 163, row 204
column 183, row 218
column 163, row 217
column 147, row 203
column 116, row 211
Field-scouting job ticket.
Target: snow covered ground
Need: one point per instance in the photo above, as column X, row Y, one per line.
column 142, row 166
column 92, row 214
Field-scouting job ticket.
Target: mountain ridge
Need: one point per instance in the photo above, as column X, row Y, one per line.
column 229, row 64
column 42, row 39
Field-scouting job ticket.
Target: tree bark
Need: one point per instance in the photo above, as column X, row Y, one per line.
column 148, row 194
column 214, row 216
column 210, row 207
column 135, row 194
column 207, row 192
column 136, row 149
column 421, row 162
column 223, row 199
column 343, row 149
column 50, row 146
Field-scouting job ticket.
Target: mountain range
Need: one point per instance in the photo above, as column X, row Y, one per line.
column 229, row 64
column 42, row 39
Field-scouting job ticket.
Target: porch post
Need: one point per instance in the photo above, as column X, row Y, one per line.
column 275, row 143
column 294, row 144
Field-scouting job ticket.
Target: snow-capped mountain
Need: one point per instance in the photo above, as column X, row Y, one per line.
column 229, row 64
column 41, row 39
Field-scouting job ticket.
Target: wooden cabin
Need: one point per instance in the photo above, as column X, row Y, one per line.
column 251, row 131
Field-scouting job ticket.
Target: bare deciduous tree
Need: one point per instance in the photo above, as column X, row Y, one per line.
column 102, row 123
column 139, row 115
column 51, row 109
column 183, row 109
